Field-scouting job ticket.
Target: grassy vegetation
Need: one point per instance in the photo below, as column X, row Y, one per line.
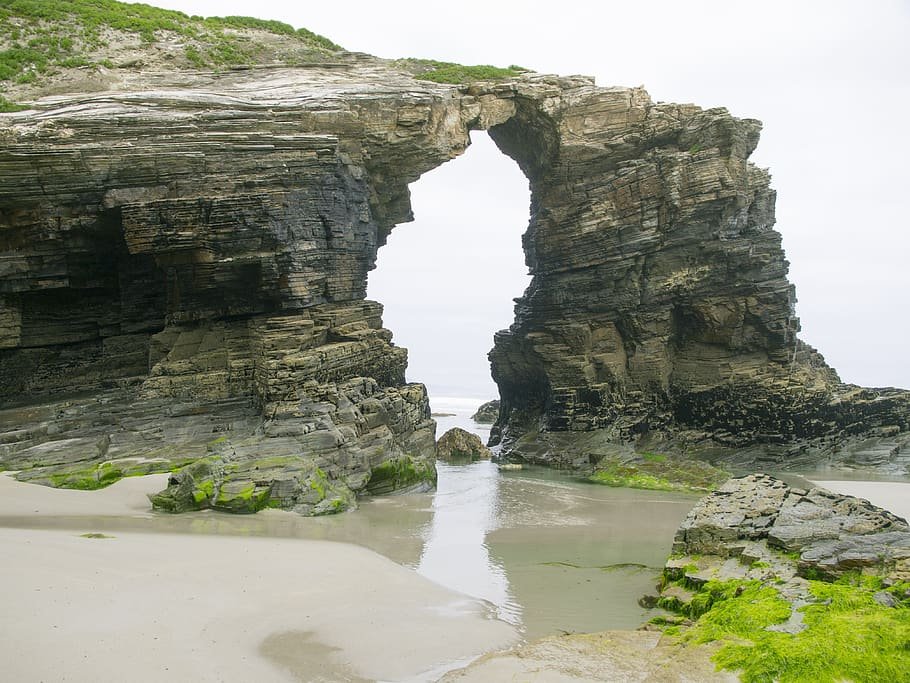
column 40, row 37
column 658, row 472
column 449, row 72
column 849, row 636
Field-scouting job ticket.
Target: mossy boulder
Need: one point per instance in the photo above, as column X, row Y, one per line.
column 831, row 604
column 190, row 488
column 457, row 445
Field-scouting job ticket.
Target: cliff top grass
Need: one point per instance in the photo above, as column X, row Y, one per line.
column 40, row 39
column 53, row 46
column 449, row 72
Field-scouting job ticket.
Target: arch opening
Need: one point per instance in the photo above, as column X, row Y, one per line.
column 448, row 279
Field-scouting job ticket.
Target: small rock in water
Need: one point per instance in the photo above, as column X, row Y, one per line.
column 487, row 413
column 457, row 444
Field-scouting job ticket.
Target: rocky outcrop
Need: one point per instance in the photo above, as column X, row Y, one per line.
column 487, row 413
column 785, row 579
column 459, row 445
column 660, row 310
column 183, row 263
column 832, row 534
column 183, row 278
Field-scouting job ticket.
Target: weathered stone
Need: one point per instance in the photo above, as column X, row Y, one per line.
column 458, row 444
column 831, row 533
column 487, row 413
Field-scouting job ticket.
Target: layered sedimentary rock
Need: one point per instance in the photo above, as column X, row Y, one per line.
column 183, row 264
column 660, row 312
column 183, row 281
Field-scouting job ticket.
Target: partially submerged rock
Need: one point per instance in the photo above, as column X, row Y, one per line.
column 458, row 444
column 487, row 413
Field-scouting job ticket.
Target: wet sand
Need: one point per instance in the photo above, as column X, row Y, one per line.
column 209, row 596
column 143, row 606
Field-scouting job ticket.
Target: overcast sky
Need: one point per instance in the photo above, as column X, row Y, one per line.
column 828, row 79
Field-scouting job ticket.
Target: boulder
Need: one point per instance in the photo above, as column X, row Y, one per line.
column 487, row 414
column 459, row 445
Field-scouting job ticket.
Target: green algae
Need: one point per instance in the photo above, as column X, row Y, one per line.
column 848, row 634
column 399, row 473
column 450, row 72
column 658, row 472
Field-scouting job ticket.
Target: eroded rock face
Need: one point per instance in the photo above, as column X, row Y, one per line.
column 183, row 277
column 183, row 265
column 660, row 308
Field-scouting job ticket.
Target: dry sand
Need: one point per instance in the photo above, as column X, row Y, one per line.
column 154, row 606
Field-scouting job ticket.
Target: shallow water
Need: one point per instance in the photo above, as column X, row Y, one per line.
column 547, row 552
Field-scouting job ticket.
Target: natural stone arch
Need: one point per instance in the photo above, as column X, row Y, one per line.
column 659, row 306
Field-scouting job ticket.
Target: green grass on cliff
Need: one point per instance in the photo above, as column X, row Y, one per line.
column 849, row 636
column 39, row 37
column 449, row 72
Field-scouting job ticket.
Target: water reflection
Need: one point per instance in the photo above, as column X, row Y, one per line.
column 546, row 552
column 456, row 553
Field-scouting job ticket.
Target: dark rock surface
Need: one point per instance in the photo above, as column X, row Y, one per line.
column 183, row 263
column 458, row 444
column 488, row 413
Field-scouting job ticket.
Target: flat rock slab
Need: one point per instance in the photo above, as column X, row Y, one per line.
column 832, row 533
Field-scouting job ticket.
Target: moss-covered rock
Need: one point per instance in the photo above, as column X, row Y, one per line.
column 795, row 617
column 404, row 473
column 192, row 487
column 458, row 445
column 658, row 472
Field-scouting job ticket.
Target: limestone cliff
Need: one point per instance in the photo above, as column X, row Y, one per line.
column 183, row 262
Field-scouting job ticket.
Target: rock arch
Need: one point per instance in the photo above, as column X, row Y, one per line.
column 249, row 207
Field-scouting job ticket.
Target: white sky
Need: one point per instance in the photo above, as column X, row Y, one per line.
column 829, row 79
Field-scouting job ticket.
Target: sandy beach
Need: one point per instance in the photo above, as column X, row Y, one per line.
column 97, row 587
column 144, row 606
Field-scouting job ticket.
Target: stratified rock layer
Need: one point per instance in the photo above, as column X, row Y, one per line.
column 183, row 263
column 660, row 308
